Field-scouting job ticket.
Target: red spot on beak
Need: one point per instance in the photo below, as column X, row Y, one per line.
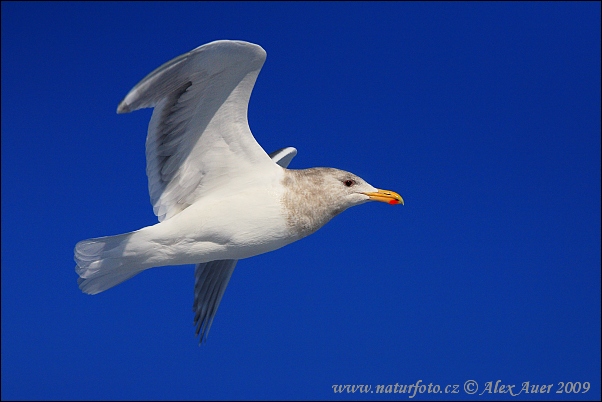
column 393, row 202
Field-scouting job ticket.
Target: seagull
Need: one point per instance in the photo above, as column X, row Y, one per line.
column 218, row 196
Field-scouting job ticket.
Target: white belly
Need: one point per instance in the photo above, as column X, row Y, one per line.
column 233, row 227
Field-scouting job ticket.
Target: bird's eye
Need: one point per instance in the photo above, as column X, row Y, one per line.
column 349, row 183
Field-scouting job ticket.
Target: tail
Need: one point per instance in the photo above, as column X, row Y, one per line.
column 101, row 263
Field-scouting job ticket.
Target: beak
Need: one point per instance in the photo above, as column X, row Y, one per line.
column 387, row 196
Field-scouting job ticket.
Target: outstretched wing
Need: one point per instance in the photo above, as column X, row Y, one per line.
column 210, row 281
column 199, row 137
column 211, row 278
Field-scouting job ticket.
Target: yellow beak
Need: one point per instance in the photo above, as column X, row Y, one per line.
column 390, row 197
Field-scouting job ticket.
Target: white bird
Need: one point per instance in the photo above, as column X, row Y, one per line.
column 218, row 195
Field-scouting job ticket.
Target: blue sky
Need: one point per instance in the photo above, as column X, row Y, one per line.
column 485, row 117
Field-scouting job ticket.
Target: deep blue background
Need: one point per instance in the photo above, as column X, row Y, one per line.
column 484, row 116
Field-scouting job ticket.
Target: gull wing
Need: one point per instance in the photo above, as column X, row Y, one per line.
column 284, row 156
column 210, row 281
column 199, row 137
column 211, row 278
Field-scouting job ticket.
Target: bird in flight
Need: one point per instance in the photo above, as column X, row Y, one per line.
column 219, row 197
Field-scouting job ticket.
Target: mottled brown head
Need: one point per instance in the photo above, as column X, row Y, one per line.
column 315, row 196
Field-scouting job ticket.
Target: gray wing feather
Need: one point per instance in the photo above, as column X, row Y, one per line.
column 211, row 279
column 283, row 156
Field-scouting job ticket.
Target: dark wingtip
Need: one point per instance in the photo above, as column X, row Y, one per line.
column 123, row 108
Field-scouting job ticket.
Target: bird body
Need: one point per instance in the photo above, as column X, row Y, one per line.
column 235, row 226
column 218, row 196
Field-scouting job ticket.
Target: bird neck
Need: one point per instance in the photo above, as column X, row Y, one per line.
column 307, row 201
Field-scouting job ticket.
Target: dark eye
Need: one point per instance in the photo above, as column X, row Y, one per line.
column 349, row 183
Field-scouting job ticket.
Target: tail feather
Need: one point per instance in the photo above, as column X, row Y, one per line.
column 100, row 263
column 104, row 281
